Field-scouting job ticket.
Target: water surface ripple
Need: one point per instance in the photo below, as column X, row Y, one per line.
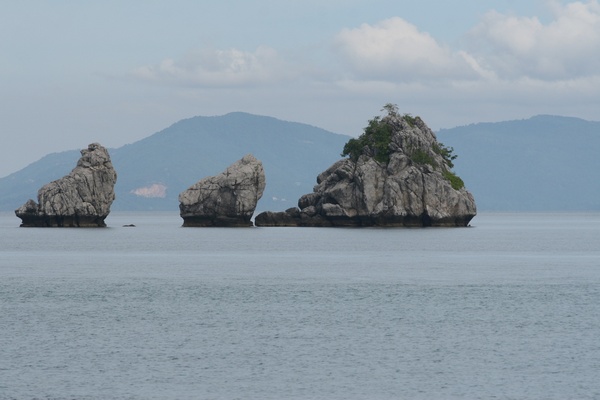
column 506, row 309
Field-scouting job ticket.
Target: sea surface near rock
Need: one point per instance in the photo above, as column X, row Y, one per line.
column 407, row 183
column 225, row 200
column 80, row 199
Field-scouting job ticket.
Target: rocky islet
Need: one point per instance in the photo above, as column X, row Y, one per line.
column 80, row 199
column 227, row 199
column 396, row 174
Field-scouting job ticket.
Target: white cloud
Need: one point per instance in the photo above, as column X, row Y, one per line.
column 396, row 50
column 501, row 47
column 511, row 65
column 566, row 48
column 218, row 68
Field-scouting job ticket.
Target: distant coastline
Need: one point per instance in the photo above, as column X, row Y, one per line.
column 541, row 164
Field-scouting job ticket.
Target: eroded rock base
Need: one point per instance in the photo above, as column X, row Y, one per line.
column 35, row 221
column 225, row 222
column 296, row 218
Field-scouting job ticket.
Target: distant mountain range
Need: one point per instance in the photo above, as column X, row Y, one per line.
column 153, row 171
column 545, row 163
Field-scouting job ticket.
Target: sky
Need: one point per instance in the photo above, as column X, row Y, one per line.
column 112, row 71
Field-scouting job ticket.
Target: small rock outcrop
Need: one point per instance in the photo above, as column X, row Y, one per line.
column 397, row 174
column 228, row 199
column 80, row 199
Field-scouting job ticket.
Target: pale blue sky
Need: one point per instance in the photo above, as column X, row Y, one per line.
column 75, row 72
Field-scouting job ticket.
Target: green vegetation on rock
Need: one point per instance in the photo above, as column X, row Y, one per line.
column 377, row 136
column 446, row 153
column 422, row 157
column 454, row 179
column 410, row 120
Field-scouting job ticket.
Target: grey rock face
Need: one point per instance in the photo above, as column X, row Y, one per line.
column 80, row 199
column 412, row 185
column 227, row 199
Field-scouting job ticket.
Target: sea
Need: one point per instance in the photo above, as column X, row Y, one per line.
column 508, row 308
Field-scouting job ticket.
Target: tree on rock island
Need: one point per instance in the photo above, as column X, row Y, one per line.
column 395, row 174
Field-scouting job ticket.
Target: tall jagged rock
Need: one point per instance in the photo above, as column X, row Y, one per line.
column 397, row 175
column 80, row 199
column 228, row 199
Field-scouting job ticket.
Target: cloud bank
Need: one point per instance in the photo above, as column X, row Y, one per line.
column 218, row 68
column 396, row 50
column 516, row 47
column 504, row 47
column 500, row 47
column 504, row 66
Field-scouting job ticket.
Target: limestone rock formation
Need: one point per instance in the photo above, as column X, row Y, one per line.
column 228, row 199
column 397, row 174
column 80, row 199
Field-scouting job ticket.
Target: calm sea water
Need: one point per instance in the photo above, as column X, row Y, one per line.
column 506, row 309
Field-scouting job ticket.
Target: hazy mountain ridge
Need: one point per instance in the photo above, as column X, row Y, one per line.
column 18, row 187
column 293, row 154
column 544, row 163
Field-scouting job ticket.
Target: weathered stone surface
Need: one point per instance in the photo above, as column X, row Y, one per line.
column 80, row 199
column 228, row 199
column 410, row 186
